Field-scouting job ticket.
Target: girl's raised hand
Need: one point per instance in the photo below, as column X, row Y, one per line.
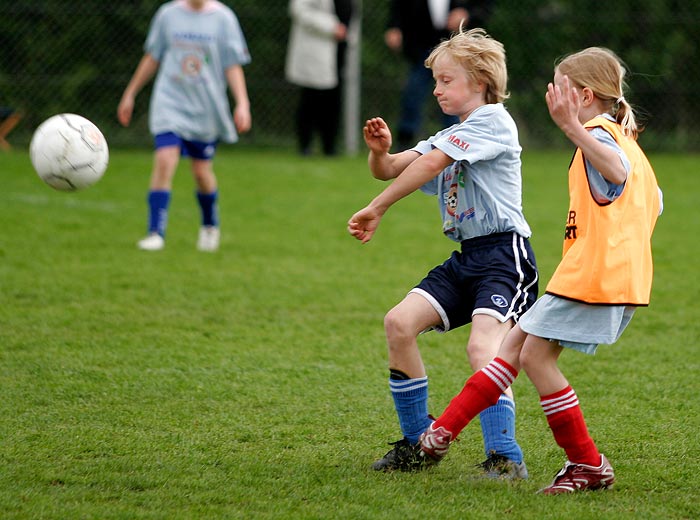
column 564, row 103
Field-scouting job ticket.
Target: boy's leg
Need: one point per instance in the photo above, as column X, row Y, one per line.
column 504, row 457
column 482, row 390
column 408, row 381
column 503, row 454
column 505, row 289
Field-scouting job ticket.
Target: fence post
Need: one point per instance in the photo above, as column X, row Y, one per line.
column 353, row 83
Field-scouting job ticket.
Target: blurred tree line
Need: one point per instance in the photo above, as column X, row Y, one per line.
column 61, row 56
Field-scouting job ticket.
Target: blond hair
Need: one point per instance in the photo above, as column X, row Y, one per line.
column 482, row 57
column 602, row 71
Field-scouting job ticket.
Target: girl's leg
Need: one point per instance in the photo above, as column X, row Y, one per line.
column 558, row 400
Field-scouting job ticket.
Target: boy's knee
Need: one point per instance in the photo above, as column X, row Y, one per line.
column 396, row 325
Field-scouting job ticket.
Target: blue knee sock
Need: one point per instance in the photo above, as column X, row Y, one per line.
column 207, row 203
column 158, row 202
column 411, row 402
column 498, row 429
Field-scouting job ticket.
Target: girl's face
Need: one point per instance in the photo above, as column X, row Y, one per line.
column 456, row 94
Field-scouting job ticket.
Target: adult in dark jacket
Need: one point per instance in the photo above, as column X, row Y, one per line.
column 414, row 28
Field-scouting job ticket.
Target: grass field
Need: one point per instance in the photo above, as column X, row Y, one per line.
column 251, row 383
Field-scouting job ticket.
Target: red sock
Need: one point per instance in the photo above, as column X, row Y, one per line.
column 480, row 391
column 568, row 426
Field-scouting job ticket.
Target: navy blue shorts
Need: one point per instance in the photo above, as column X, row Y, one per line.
column 494, row 275
column 195, row 149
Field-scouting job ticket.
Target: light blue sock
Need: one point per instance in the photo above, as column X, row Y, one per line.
column 498, row 429
column 411, row 403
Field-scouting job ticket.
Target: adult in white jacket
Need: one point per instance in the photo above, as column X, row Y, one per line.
column 315, row 62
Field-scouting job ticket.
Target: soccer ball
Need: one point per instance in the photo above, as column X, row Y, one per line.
column 69, row 152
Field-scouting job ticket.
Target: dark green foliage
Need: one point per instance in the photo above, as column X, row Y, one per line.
column 58, row 56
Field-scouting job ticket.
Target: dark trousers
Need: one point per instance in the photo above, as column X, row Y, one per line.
column 319, row 112
column 416, row 91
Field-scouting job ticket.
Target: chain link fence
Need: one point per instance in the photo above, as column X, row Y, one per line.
column 63, row 56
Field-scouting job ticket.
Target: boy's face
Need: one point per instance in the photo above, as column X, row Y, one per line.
column 455, row 92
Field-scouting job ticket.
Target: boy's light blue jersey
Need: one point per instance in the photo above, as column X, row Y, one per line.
column 481, row 192
column 194, row 48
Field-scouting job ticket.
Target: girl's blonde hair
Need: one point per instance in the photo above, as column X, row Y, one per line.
column 482, row 57
column 602, row 71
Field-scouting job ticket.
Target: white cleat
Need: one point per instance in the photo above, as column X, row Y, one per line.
column 208, row 239
column 153, row 242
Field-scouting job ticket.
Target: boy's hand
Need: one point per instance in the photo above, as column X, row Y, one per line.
column 364, row 223
column 377, row 135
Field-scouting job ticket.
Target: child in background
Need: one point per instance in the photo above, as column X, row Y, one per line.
column 197, row 47
column 604, row 275
column 473, row 168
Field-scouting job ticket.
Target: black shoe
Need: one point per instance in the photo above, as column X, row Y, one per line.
column 404, row 456
column 498, row 467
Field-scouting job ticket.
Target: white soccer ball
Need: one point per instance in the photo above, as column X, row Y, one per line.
column 69, row 152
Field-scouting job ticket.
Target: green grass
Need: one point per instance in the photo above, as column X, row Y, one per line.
column 252, row 383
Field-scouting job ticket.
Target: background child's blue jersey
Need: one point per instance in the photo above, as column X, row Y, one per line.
column 481, row 192
column 194, row 48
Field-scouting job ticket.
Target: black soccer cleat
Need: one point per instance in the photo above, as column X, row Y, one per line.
column 404, row 456
column 498, row 467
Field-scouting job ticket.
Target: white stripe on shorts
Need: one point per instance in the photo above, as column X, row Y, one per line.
column 520, row 253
